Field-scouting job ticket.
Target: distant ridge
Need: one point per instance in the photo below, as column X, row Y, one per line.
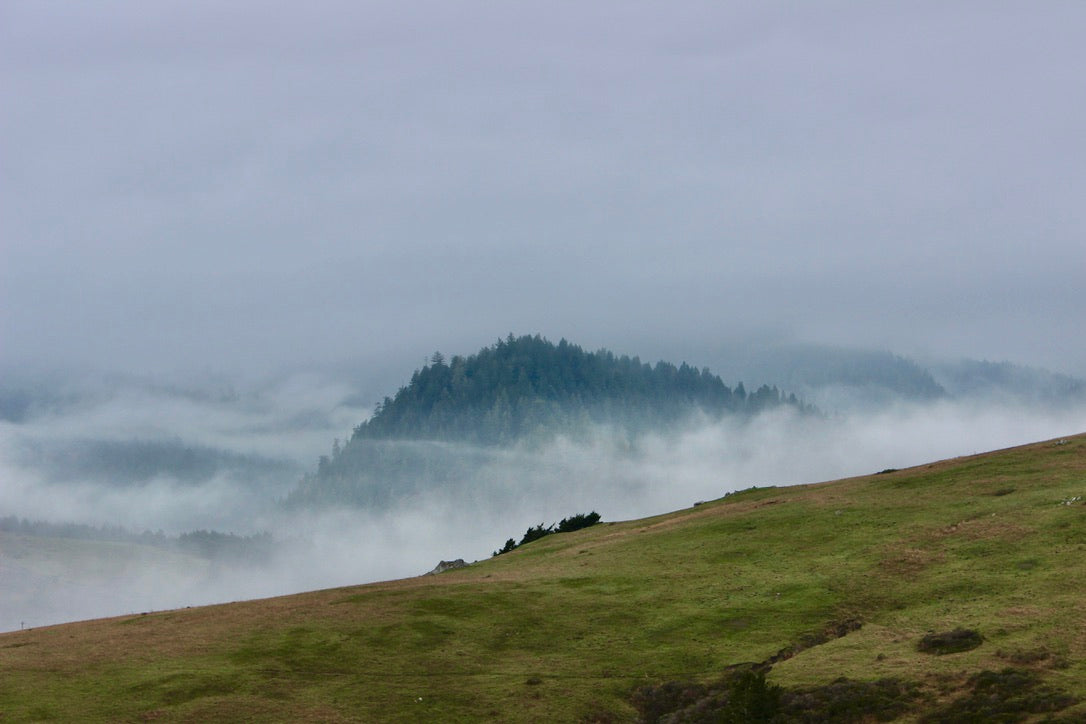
column 842, row 378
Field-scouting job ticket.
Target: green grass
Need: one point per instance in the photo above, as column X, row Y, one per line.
column 568, row 627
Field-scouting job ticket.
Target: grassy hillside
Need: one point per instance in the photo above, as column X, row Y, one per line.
column 816, row 582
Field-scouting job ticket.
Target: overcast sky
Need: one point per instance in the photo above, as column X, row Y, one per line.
column 246, row 185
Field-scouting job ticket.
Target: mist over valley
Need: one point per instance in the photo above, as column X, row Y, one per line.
column 324, row 298
column 122, row 495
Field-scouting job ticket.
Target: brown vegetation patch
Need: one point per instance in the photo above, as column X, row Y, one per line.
column 742, row 695
column 1009, row 695
column 988, row 528
column 909, row 561
column 705, row 510
column 844, row 700
column 1036, row 657
column 1020, row 612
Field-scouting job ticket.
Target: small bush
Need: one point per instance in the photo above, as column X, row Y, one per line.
column 653, row 703
column 844, row 700
column 576, row 522
column 950, row 642
column 572, row 523
column 1006, row 696
column 533, row 534
column 743, row 697
column 509, row 545
column 751, row 699
column 1026, row 657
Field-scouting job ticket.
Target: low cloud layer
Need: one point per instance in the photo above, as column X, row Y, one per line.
column 287, row 194
column 515, row 489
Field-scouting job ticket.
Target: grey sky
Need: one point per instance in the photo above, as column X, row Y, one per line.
column 247, row 185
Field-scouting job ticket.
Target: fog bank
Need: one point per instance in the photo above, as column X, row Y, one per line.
column 47, row 582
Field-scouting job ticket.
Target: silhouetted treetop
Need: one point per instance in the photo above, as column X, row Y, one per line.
column 526, row 385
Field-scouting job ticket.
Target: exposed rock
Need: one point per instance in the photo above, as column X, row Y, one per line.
column 448, row 566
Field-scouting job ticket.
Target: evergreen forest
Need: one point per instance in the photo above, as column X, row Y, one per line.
column 455, row 413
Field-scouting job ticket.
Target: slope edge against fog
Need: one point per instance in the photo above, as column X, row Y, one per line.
column 932, row 593
column 230, row 452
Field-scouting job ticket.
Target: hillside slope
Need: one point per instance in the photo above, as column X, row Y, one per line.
column 812, row 583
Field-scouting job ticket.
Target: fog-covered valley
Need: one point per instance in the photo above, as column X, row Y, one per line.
column 175, row 494
column 229, row 234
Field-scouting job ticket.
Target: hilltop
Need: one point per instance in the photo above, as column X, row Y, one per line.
column 526, row 385
column 449, row 421
column 945, row 592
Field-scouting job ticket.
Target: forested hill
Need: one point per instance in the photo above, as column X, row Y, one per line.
column 519, row 389
column 523, row 386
